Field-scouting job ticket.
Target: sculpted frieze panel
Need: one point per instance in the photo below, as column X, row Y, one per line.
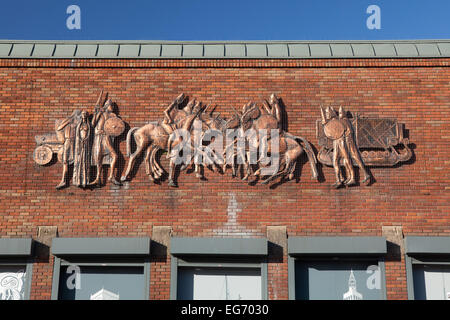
column 253, row 142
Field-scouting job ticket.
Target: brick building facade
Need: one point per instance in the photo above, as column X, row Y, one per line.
column 406, row 206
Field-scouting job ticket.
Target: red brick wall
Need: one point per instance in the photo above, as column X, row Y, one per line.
column 34, row 93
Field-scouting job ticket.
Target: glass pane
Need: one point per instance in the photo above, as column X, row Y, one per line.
column 431, row 282
column 12, row 282
column 102, row 283
column 337, row 280
column 219, row 284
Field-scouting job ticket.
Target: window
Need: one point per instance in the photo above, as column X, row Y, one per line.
column 15, row 269
column 120, row 281
column 336, row 268
column 218, row 269
column 13, row 282
column 219, row 283
column 431, row 282
column 428, row 268
column 101, row 268
column 337, row 280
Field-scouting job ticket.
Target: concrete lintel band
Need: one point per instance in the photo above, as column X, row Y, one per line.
column 219, row 246
column 101, row 246
column 15, row 247
column 427, row 245
column 337, row 246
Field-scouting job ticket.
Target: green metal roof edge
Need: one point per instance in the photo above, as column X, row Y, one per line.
column 318, row 49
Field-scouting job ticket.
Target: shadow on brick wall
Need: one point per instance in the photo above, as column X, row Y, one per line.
column 275, row 253
column 394, row 252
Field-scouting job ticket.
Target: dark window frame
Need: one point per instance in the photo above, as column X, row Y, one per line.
column 205, row 252
column 424, row 250
column 101, row 252
column 292, row 260
column 333, row 249
column 28, row 264
column 19, row 252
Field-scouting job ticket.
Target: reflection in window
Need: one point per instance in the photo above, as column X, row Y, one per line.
column 219, row 284
column 12, row 282
column 337, row 280
column 102, row 283
column 431, row 282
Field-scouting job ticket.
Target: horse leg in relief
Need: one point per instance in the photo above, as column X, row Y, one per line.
column 292, row 171
column 247, row 167
column 158, row 170
column 152, row 164
column 141, row 143
column 171, row 173
column 148, row 169
column 281, row 172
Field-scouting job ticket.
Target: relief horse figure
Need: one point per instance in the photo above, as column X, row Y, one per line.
column 164, row 135
column 268, row 117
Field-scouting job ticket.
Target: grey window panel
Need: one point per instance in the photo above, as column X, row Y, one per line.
column 384, row 49
column 214, row 288
column 171, row 50
column 214, row 51
column 5, row 48
column 320, row 50
column 362, row 50
column 101, row 246
column 43, row 50
column 16, row 247
column 431, row 282
column 337, row 246
column 125, row 281
column 22, row 50
column 192, row 50
column 299, row 50
column 129, row 51
column 277, row 50
column 15, row 281
column 235, row 50
column 427, row 245
column 256, row 50
column 341, row 50
column 406, row 50
column 150, row 51
column 86, row 50
column 65, row 50
column 329, row 280
column 219, row 246
column 444, row 48
column 108, row 51
column 428, row 49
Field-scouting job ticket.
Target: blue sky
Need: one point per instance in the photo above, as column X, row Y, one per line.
column 225, row 20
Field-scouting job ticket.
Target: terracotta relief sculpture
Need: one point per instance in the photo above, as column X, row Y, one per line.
column 254, row 141
column 72, row 142
column 268, row 119
column 165, row 135
column 356, row 141
column 107, row 126
column 82, row 154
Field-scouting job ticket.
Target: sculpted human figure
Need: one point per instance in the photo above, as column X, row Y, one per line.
column 168, row 122
column 273, row 108
column 352, row 148
column 82, row 154
column 66, row 131
column 340, row 131
column 102, row 142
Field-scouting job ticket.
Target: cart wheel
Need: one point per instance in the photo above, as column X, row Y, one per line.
column 43, row 155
